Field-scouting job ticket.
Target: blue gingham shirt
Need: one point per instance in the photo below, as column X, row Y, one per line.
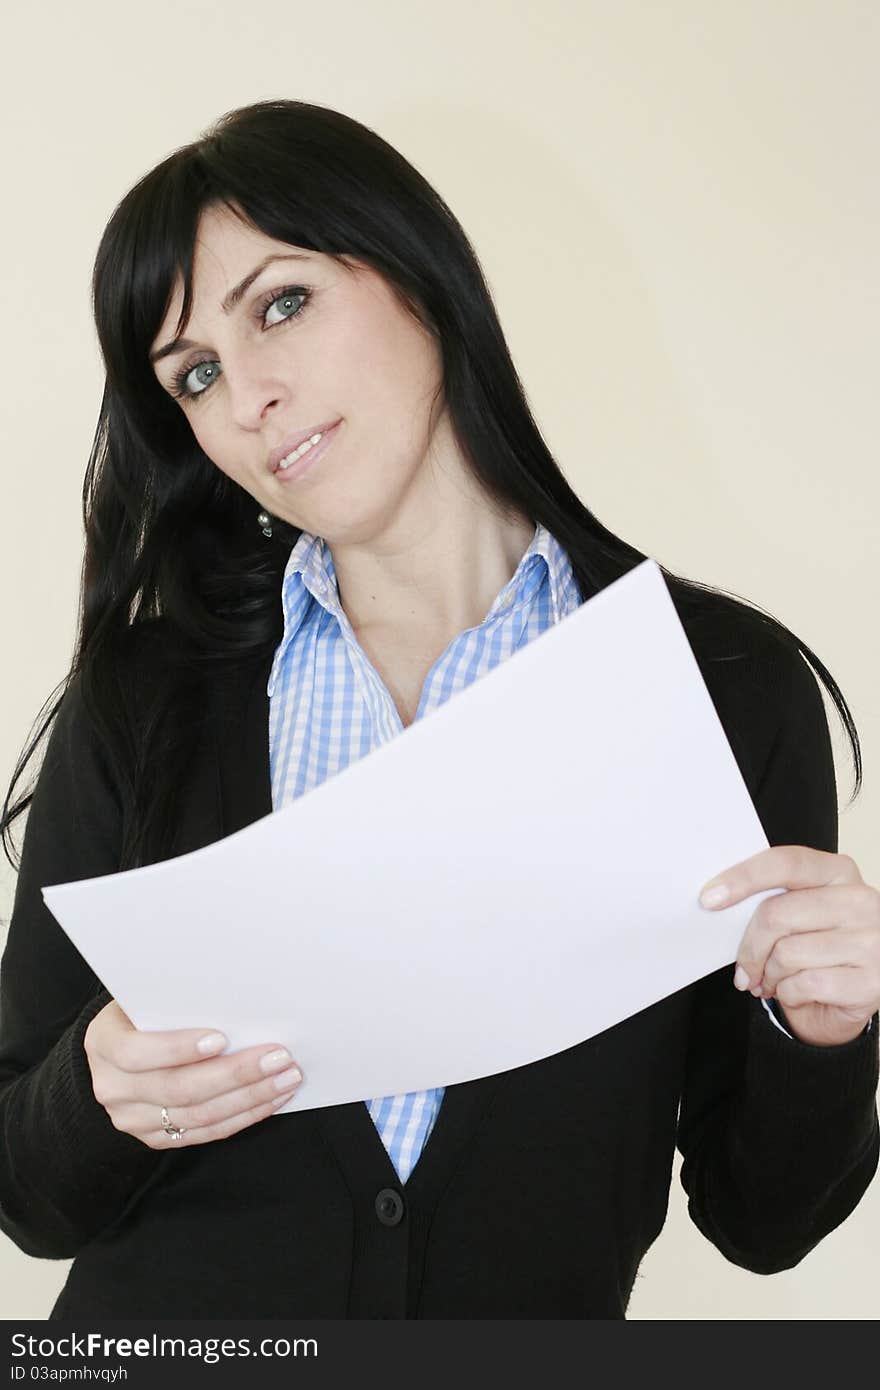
column 328, row 706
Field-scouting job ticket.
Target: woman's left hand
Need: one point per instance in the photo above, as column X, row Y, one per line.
column 816, row 948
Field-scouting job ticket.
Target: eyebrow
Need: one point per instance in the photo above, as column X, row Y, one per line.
column 234, row 298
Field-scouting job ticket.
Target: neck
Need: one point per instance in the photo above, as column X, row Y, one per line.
column 438, row 567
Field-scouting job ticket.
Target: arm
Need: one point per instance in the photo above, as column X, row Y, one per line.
column 66, row 1172
column 779, row 1137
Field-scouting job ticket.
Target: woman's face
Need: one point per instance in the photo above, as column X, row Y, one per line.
column 309, row 342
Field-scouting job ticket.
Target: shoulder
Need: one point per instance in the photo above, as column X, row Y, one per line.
column 148, row 661
column 102, row 692
column 738, row 646
column 147, row 647
column 761, row 685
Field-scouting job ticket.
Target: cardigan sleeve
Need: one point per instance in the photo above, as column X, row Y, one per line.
column 66, row 1172
column 779, row 1138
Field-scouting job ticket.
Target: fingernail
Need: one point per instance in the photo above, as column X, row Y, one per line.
column 273, row 1060
column 741, row 979
column 211, row 1042
column 713, row 897
column 289, row 1078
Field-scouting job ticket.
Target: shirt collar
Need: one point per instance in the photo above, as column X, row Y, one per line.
column 564, row 593
column 310, row 575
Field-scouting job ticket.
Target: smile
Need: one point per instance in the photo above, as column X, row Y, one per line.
column 298, row 453
column 299, row 460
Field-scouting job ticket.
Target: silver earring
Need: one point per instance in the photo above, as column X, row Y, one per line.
column 265, row 520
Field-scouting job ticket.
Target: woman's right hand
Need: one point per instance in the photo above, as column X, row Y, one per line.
column 135, row 1073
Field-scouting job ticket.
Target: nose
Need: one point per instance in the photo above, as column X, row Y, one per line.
column 254, row 386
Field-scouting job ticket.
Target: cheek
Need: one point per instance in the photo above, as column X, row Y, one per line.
column 214, row 441
column 396, row 393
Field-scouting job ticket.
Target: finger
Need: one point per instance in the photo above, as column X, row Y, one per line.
column 783, row 866
column 840, row 986
column 187, row 1086
column 815, row 950
column 800, row 911
column 140, row 1118
column 193, row 1082
column 135, row 1050
column 158, row 1139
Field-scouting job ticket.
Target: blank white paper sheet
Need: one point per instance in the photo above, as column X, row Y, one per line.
column 507, row 877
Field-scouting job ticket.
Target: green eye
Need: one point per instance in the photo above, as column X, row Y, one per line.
column 286, row 296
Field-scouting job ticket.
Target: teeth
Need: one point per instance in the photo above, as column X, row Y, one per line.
column 298, row 453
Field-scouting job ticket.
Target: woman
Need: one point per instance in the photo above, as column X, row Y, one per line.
column 309, row 397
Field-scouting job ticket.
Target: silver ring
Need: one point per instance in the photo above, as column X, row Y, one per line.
column 174, row 1130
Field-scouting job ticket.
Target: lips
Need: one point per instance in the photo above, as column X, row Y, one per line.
column 293, row 441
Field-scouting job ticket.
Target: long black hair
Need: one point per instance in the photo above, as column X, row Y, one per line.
column 169, row 536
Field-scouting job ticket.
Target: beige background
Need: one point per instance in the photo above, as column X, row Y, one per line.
column 677, row 209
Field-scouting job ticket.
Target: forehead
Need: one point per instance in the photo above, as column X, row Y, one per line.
column 223, row 242
column 226, row 249
column 227, row 255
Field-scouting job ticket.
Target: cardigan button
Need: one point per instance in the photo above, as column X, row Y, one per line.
column 389, row 1206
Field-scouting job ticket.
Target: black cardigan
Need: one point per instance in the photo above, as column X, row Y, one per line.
column 539, row 1189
